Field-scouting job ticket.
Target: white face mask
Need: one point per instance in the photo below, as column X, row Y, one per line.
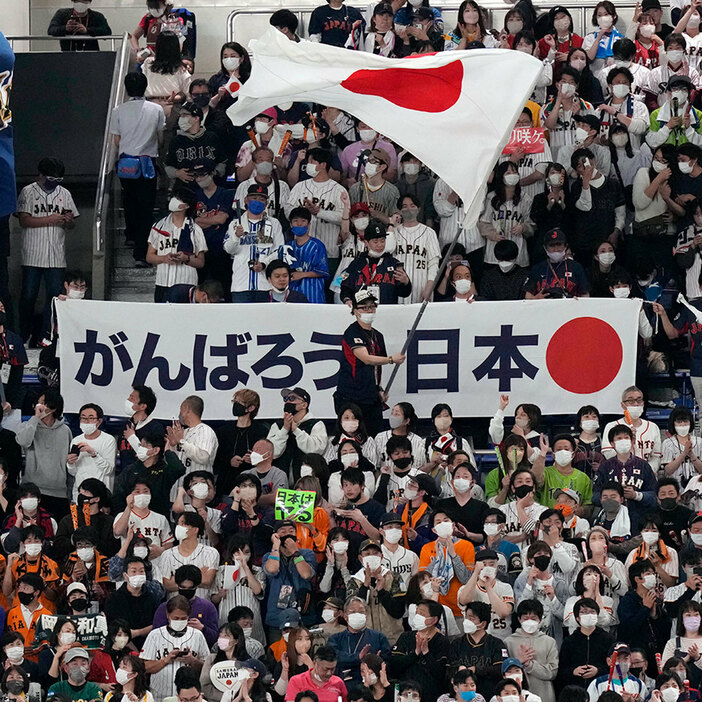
column 88, row 428
column 488, row 573
column 261, row 126
column 305, row 471
column 605, row 21
column 142, row 453
column 340, row 546
column 371, row 169
column 514, row 27
column 80, row 8
column 427, row 590
column 588, row 621
column 469, row 627
column 392, row 536
column 506, row 266
column 178, row 624
column 685, row 167
column 680, row 96
column 248, row 630
column 87, row 554
column 361, row 223
column 350, row 426
column 419, row 623
column 521, row 422
column 141, row 552
column 157, row 11
column 511, row 179
column 696, row 539
column 621, row 292
column 174, row 205
column 589, row 425
column 443, row 529
column 649, row 581
column 607, row 258
column 670, row 694
column 122, row 676
column 622, row 446
column 356, row 620
column 367, row 317
column 462, row 485
column 349, row 459
column 256, row 458
column 411, row 169
column 693, row 21
column 580, row 135
column 15, row 653
column 264, row 168
column 200, row 491
column 649, row 537
column 184, row 123
column 67, row 638
column 312, row 169
column 658, row 166
column 562, row 26
column 231, row 63
column 367, row 135
column 635, row 410
column 530, row 626
column 372, row 562
column 568, row 89
column 137, row 581
column 647, row 30
column 32, row 550
column 181, row 532
column 74, row 294
column 142, row 501
column 29, row 504
column 555, row 179
column 675, row 56
column 491, row 529
column 462, row 286
column 682, row 429
column 410, row 494
column 328, row 615
column 620, row 90
column 564, row 457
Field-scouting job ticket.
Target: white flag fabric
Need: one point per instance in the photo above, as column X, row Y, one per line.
column 454, row 111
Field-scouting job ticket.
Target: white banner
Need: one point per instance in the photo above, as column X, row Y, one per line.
column 559, row 354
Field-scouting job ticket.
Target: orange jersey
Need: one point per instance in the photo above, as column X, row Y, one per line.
column 47, row 569
column 466, row 552
column 15, row 622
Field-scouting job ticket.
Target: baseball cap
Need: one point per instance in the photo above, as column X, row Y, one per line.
column 254, row 664
column 270, row 112
column 427, row 483
column 619, row 647
column 362, row 297
column 391, row 518
column 650, row 5
column 333, row 602
column 359, row 207
column 75, row 652
column 486, row 554
column 300, row 392
column 507, row 663
column 289, row 618
column 568, row 491
column 679, row 82
column 369, row 542
column 192, row 109
column 257, row 189
column 76, row 586
column 555, row 236
column 283, row 523
column 695, row 518
column 375, row 230
column 381, row 155
column 425, row 13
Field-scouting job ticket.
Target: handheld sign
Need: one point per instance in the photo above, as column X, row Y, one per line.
column 295, row 504
column 530, row 139
column 226, row 677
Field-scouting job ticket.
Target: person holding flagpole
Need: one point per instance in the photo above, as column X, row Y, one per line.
column 361, row 365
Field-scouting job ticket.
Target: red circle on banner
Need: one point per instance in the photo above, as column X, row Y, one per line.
column 584, row 355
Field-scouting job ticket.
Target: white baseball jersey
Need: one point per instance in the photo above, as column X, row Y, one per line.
column 102, row 466
column 44, row 247
column 418, row 449
column 647, row 444
column 283, row 194
column 150, row 524
column 260, row 243
column 564, row 132
column 417, row 248
column 214, row 519
column 506, row 216
column 164, row 237
column 332, row 199
column 202, row 557
column 196, row 451
column 403, row 563
column 526, row 167
column 499, row 626
column 159, row 643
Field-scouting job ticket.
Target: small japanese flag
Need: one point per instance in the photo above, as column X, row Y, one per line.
column 231, row 574
column 233, row 86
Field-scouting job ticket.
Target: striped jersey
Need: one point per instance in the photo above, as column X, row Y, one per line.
column 311, row 256
column 44, row 247
column 417, row 248
column 332, row 199
column 261, row 242
column 164, row 237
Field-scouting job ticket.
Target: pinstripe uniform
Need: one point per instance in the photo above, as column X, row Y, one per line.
column 417, row 248
column 44, row 247
column 164, row 237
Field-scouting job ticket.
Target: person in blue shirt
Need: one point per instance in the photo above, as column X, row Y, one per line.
column 557, row 276
column 336, row 24
column 307, row 258
column 405, row 14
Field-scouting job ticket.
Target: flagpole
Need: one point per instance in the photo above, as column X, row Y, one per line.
column 420, row 314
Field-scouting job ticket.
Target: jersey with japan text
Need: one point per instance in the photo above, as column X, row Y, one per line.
column 417, row 248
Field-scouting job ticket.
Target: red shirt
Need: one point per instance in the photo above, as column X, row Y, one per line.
column 329, row 692
column 649, row 58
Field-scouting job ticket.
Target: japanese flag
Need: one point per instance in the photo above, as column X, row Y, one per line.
column 454, row 111
column 233, row 86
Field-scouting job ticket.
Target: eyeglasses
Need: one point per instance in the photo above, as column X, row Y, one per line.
column 52, row 179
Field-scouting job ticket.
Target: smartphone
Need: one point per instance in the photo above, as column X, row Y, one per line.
column 697, row 570
column 74, row 450
column 418, row 25
column 586, row 163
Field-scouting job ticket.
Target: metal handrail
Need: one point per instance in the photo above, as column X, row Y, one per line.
column 107, row 158
column 112, row 38
column 581, row 12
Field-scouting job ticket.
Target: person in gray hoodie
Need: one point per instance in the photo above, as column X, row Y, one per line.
column 46, row 439
column 537, row 651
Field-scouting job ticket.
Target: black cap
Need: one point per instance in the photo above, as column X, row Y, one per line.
column 486, row 554
column 257, row 189
column 427, row 483
column 375, row 230
column 555, row 236
column 424, row 13
column 283, row 523
column 192, row 109
column 559, row 8
column 300, row 392
column 650, row 5
column 679, row 82
column 391, row 518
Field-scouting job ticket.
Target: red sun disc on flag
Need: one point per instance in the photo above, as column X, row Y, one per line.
column 421, row 89
column 584, row 355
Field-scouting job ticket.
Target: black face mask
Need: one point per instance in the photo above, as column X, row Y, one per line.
column 541, row 562
column 238, row 410
column 403, row 463
column 25, row 598
column 669, row 503
column 523, row 491
column 290, row 408
column 80, row 604
column 636, row 672
column 187, row 592
column 201, row 100
column 15, row 687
